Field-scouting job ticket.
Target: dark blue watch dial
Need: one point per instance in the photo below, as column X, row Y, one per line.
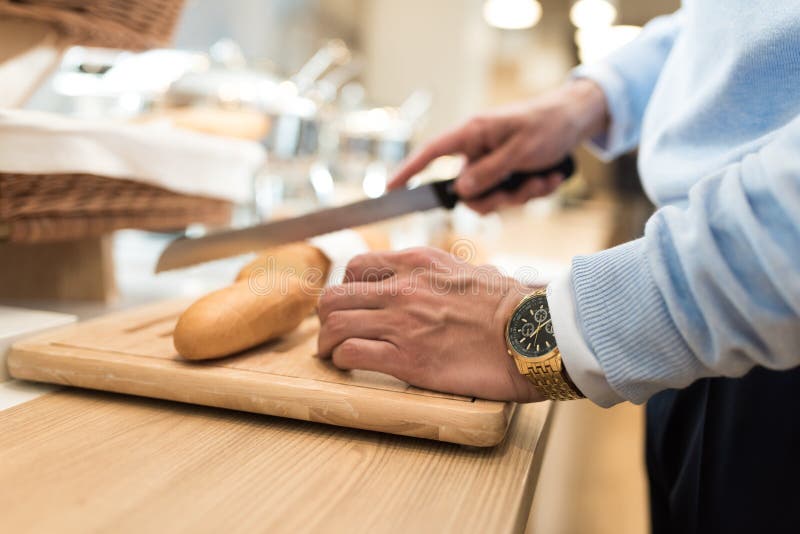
column 531, row 329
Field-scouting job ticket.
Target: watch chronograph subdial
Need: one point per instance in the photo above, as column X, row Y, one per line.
column 527, row 329
column 540, row 315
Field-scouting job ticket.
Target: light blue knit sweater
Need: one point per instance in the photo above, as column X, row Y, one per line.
column 711, row 95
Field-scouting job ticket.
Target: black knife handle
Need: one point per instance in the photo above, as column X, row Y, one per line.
column 448, row 196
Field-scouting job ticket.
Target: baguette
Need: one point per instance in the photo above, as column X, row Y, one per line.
column 235, row 318
column 302, row 257
column 270, row 297
column 295, row 258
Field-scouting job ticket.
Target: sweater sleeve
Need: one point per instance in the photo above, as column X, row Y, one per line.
column 712, row 289
column 627, row 78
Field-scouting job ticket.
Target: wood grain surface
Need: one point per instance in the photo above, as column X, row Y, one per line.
column 83, row 461
column 132, row 352
column 66, row 270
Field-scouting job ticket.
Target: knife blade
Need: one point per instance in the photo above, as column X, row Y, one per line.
column 184, row 251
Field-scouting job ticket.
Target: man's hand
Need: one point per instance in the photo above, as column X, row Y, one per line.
column 524, row 137
column 427, row 318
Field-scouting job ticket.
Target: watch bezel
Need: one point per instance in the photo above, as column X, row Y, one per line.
column 512, row 351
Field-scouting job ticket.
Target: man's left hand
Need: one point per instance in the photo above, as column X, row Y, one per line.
column 427, row 318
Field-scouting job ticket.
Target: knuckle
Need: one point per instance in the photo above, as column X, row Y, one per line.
column 335, row 323
column 479, row 121
column 376, row 274
column 323, row 307
column 476, row 125
column 531, row 143
column 345, row 354
column 348, row 348
column 489, row 170
column 325, row 303
column 356, row 262
column 416, row 256
column 366, row 267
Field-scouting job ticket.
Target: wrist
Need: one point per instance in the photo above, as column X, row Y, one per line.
column 585, row 106
column 531, row 343
column 521, row 389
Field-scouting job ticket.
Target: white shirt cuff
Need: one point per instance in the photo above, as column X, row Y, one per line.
column 579, row 360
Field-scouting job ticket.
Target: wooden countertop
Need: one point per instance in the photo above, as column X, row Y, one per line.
column 78, row 461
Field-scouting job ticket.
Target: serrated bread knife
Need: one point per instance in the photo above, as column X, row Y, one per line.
column 184, row 251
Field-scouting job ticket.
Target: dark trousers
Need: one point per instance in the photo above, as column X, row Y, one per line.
column 723, row 455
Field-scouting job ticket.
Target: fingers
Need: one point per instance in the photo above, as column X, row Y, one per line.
column 369, row 267
column 354, row 296
column 530, row 189
column 490, row 203
column 379, row 266
column 537, row 187
column 341, row 325
column 454, row 142
column 489, row 170
column 370, row 280
column 367, row 354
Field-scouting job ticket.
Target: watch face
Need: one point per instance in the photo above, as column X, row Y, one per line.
column 531, row 329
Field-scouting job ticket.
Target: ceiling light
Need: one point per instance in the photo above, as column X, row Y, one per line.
column 592, row 14
column 597, row 43
column 512, row 14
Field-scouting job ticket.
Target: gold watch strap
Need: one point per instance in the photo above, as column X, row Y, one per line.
column 548, row 377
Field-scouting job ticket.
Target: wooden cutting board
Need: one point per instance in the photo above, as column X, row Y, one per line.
column 132, row 352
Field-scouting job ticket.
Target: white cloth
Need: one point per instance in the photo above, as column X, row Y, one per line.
column 186, row 162
column 340, row 247
column 576, row 356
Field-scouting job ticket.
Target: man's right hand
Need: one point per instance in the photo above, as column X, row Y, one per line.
column 525, row 137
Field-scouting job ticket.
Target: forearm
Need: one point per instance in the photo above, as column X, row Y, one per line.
column 586, row 107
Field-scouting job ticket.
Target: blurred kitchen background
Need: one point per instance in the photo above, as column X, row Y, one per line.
column 315, row 103
column 348, row 85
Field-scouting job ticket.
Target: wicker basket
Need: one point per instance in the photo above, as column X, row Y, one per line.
column 128, row 24
column 42, row 208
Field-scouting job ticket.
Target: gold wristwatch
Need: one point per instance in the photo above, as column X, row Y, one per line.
column 530, row 341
